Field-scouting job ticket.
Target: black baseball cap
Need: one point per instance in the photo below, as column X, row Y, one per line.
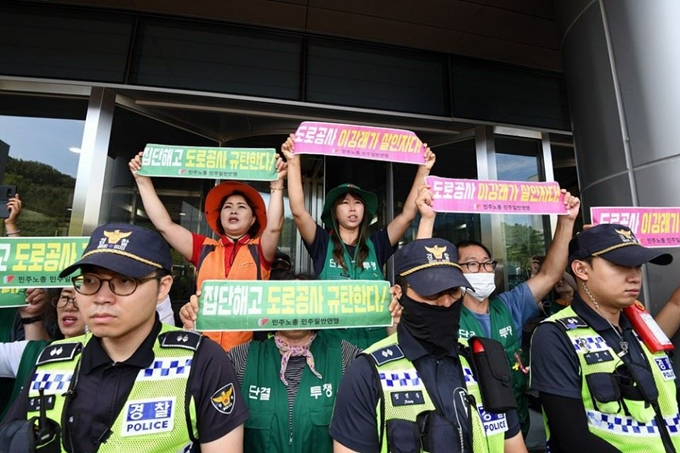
column 430, row 266
column 282, row 261
column 615, row 243
column 128, row 250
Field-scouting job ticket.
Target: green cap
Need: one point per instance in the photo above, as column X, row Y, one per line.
column 369, row 198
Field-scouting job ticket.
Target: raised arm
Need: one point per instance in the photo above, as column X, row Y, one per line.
column 36, row 303
column 668, row 317
column 272, row 232
column 303, row 220
column 189, row 312
column 177, row 236
column 556, row 259
column 427, row 214
column 395, row 310
column 14, row 208
column 398, row 226
column 36, row 298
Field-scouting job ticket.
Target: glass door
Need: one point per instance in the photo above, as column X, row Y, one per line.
column 523, row 236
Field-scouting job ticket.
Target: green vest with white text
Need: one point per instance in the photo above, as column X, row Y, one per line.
column 334, row 271
column 154, row 416
column 625, row 423
column 398, row 375
column 269, row 428
column 361, row 337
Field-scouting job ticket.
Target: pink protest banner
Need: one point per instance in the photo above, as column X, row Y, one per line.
column 496, row 197
column 653, row 227
column 362, row 142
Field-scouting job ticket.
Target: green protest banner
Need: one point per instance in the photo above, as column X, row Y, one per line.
column 12, row 297
column 292, row 305
column 249, row 164
column 35, row 262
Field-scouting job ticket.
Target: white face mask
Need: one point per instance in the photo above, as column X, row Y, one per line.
column 483, row 284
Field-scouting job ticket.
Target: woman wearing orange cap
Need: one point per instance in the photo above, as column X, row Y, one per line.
column 347, row 251
column 248, row 234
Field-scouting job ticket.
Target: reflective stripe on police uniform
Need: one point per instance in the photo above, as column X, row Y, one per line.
column 154, row 417
column 628, row 425
column 399, row 379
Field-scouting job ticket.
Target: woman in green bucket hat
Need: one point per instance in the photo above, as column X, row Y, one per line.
column 345, row 250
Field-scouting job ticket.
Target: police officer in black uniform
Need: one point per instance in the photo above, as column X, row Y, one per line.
column 133, row 384
column 415, row 390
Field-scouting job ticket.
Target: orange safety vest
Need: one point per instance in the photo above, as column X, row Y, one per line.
column 246, row 266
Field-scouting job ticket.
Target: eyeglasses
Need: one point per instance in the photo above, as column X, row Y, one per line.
column 476, row 266
column 63, row 301
column 120, row 285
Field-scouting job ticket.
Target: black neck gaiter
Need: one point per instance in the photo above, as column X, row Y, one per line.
column 436, row 326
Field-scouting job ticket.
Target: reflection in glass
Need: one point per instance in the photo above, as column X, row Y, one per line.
column 454, row 160
column 43, row 169
column 523, row 235
column 182, row 198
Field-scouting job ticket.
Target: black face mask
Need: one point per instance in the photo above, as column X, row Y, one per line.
column 434, row 325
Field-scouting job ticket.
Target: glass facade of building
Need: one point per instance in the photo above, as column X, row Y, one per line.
column 107, row 83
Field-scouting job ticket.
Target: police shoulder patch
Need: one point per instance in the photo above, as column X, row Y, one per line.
column 572, row 322
column 180, row 339
column 387, row 354
column 223, row 400
column 59, row 352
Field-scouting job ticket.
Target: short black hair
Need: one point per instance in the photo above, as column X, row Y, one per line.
column 470, row 243
column 587, row 259
column 401, row 281
column 282, row 261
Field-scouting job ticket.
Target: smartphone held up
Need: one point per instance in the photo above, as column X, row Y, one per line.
column 6, row 194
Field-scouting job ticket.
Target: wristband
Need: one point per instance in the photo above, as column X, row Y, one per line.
column 9, row 233
column 31, row 320
column 273, row 189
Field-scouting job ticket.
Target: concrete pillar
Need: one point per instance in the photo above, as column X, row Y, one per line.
column 87, row 198
column 622, row 69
